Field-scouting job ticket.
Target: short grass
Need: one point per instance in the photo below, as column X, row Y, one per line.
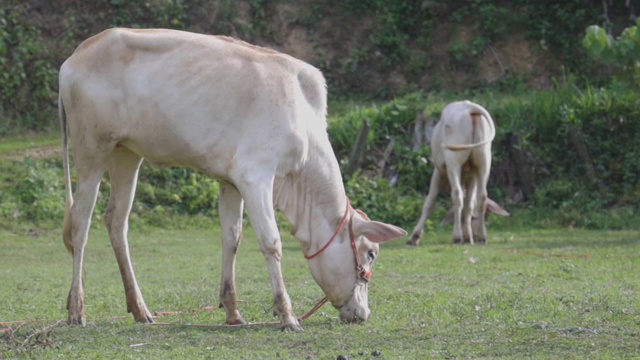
column 544, row 294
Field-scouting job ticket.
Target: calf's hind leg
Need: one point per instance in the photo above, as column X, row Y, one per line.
column 123, row 167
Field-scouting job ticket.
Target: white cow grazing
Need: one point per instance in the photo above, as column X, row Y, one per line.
column 461, row 150
column 251, row 117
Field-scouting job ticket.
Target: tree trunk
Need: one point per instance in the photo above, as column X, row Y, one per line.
column 357, row 153
column 583, row 153
column 521, row 165
column 418, row 132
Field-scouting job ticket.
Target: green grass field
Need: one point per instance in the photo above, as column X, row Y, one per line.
column 528, row 294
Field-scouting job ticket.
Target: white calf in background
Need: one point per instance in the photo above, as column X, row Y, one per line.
column 461, row 151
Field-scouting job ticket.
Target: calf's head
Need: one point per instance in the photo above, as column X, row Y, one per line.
column 343, row 270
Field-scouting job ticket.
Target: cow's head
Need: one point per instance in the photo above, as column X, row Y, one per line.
column 343, row 269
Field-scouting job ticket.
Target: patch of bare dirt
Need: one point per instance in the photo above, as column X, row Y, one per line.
column 515, row 54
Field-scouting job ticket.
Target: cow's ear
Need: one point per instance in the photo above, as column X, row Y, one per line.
column 376, row 231
column 493, row 207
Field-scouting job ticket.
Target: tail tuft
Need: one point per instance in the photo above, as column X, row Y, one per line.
column 66, row 232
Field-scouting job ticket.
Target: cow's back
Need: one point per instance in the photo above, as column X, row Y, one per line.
column 179, row 98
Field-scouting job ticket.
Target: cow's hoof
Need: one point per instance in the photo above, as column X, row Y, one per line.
column 457, row 240
column 481, row 241
column 239, row 321
column 292, row 327
column 415, row 239
column 147, row 319
column 77, row 321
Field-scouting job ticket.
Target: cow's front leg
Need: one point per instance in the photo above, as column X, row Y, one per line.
column 123, row 167
column 231, row 221
column 259, row 202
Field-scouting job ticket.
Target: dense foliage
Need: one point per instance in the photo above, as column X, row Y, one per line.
column 28, row 78
column 402, row 38
column 622, row 51
column 602, row 191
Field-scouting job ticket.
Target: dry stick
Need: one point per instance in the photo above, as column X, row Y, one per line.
column 504, row 71
column 44, row 329
column 418, row 133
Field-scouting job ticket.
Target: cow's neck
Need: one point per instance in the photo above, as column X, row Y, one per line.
column 313, row 200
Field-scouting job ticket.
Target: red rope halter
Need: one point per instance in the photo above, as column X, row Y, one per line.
column 335, row 234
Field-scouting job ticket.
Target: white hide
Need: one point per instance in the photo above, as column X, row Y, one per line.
column 461, row 150
column 251, row 117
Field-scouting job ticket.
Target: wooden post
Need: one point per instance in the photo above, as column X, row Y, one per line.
column 519, row 161
column 386, row 156
column 583, row 153
column 418, row 133
column 357, row 153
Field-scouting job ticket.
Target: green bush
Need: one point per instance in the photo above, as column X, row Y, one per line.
column 381, row 202
column 176, row 190
column 28, row 78
column 39, row 195
column 622, row 51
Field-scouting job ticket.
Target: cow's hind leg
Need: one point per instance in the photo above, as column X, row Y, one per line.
column 479, row 225
column 427, row 208
column 89, row 177
column 230, row 209
column 470, row 187
column 123, row 167
column 457, row 197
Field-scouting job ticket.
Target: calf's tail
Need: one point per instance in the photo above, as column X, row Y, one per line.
column 66, row 232
column 476, row 114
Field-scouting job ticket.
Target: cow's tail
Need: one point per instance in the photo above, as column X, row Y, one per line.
column 66, row 232
column 478, row 113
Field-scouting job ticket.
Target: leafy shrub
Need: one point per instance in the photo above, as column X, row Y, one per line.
column 555, row 25
column 176, row 190
column 39, row 195
column 28, row 78
column 381, row 201
column 160, row 13
column 609, row 124
column 622, row 51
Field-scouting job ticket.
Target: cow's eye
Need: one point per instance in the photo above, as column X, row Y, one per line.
column 372, row 254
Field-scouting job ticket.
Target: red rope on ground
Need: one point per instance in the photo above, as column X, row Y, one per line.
column 526, row 252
